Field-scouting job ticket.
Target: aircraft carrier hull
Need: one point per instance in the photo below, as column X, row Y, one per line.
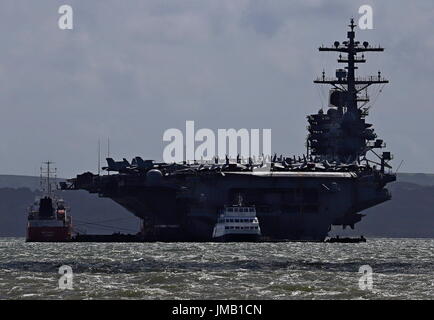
column 290, row 205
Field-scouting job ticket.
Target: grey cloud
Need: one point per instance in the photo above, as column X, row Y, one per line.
column 132, row 69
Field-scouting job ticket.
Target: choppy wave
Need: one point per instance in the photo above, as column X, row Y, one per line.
column 402, row 269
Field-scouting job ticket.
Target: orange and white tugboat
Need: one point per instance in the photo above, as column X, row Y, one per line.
column 48, row 219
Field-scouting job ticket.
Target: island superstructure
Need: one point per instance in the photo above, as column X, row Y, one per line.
column 296, row 198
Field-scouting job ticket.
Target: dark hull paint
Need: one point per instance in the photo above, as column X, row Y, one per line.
column 48, row 234
column 283, row 215
column 238, row 238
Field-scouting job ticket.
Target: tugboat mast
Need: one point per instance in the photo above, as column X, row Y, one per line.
column 45, row 177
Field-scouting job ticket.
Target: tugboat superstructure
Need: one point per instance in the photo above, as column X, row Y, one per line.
column 48, row 219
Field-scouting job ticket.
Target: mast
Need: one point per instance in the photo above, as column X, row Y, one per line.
column 347, row 81
column 99, row 157
column 46, row 175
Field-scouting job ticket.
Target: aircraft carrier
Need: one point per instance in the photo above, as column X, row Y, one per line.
column 296, row 198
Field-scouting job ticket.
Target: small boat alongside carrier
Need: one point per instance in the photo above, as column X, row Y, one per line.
column 338, row 239
column 237, row 223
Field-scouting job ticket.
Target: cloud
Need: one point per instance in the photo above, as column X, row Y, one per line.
column 131, row 70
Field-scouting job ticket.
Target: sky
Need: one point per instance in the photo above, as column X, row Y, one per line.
column 130, row 70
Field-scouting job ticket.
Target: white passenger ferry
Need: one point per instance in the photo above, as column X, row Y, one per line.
column 237, row 224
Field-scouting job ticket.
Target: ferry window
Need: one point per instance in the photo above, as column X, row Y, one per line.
column 230, row 210
column 237, row 227
column 251, row 209
column 235, row 209
column 237, row 220
column 226, row 228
